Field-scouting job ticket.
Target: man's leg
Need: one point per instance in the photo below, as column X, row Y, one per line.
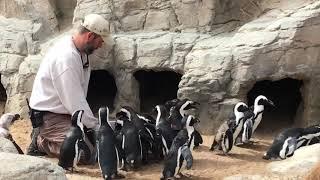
column 52, row 133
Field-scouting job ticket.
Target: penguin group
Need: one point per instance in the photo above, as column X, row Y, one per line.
column 241, row 124
column 133, row 139
column 167, row 133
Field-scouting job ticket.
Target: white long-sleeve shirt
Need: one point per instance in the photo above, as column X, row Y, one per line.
column 61, row 83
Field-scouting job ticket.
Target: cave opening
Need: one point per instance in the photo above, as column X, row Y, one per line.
column 286, row 95
column 102, row 90
column 156, row 87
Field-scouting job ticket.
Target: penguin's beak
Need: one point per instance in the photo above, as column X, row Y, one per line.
column 16, row 117
column 271, row 103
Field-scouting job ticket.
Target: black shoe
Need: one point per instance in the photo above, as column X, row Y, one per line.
column 33, row 148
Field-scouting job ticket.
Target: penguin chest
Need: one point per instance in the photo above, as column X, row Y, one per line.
column 257, row 121
column 238, row 129
column 77, row 154
column 191, row 141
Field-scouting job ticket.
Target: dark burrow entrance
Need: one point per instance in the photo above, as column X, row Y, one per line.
column 286, row 96
column 156, row 87
column 101, row 91
column 3, row 98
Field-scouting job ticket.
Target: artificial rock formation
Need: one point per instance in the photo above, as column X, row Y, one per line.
column 221, row 49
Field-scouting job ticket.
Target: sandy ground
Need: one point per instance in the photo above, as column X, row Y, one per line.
column 207, row 164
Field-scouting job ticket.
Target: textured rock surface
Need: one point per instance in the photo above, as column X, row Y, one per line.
column 303, row 160
column 7, row 146
column 245, row 42
column 295, row 167
column 14, row 166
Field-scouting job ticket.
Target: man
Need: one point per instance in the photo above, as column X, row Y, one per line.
column 61, row 84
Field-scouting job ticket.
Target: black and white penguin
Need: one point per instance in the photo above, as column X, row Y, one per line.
column 6, row 121
column 230, row 129
column 163, row 128
column 223, row 140
column 130, row 140
column 289, row 140
column 284, row 144
column 177, row 112
column 70, row 150
column 189, row 121
column 178, row 153
column 251, row 124
column 259, row 103
column 109, row 157
column 238, row 116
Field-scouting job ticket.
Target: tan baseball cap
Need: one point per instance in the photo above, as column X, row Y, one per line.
column 97, row 24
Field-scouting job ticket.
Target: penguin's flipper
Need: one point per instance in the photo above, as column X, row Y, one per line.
column 214, row 145
column 187, row 155
column 227, row 141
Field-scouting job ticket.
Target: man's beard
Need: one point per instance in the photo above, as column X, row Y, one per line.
column 88, row 48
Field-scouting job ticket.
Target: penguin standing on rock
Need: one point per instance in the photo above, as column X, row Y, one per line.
column 109, row 156
column 70, row 150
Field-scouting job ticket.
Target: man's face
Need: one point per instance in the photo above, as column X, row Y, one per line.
column 94, row 42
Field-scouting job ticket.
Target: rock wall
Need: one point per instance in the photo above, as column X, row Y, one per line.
column 220, row 48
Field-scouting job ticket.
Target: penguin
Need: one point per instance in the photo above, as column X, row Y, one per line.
column 223, row 140
column 238, row 116
column 109, row 157
column 284, row 144
column 230, row 129
column 178, row 153
column 258, row 109
column 291, row 139
column 6, row 120
column 70, row 150
column 130, row 140
column 188, row 122
column 163, row 128
column 177, row 112
column 251, row 123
